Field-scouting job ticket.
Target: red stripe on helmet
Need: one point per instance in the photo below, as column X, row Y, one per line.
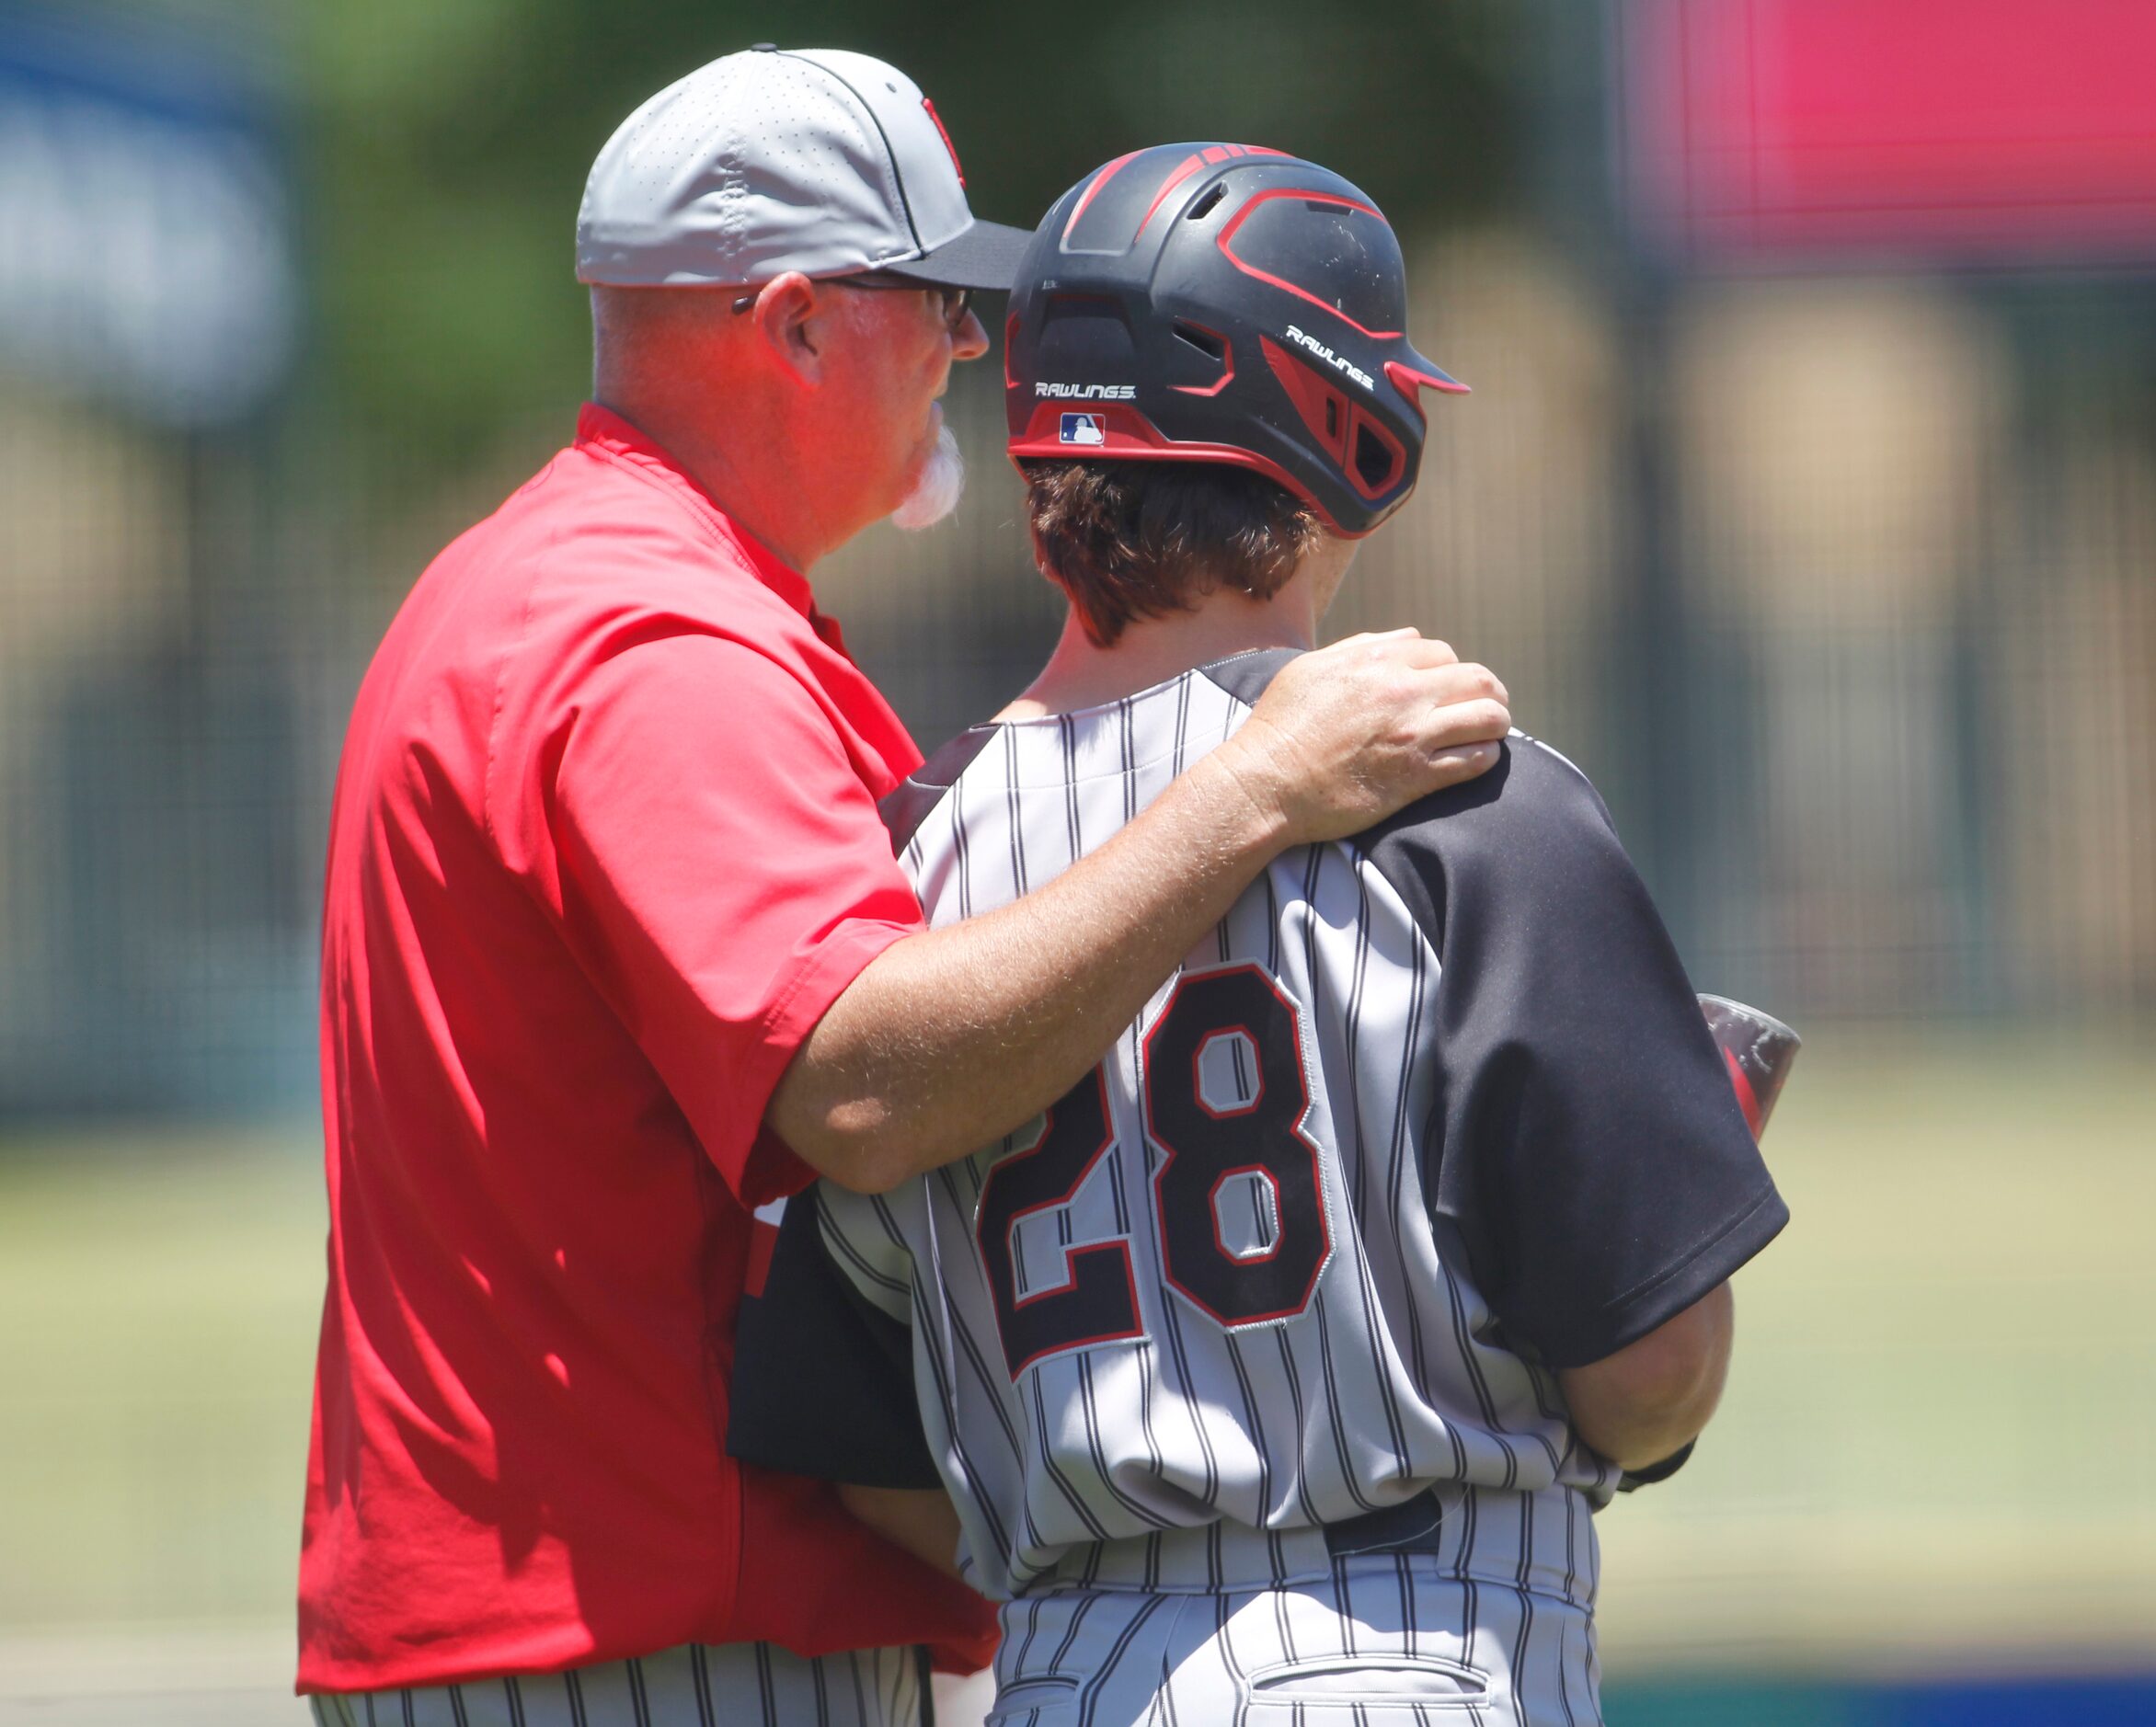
column 1396, row 452
column 1227, row 357
column 1410, row 380
column 1189, row 165
column 1314, row 398
column 1132, row 437
column 1099, row 180
column 1227, row 234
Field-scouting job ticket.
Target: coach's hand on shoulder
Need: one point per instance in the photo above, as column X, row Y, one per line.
column 1348, row 734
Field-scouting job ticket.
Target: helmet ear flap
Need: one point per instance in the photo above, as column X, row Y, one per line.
column 1322, row 405
column 1380, row 458
column 1368, row 452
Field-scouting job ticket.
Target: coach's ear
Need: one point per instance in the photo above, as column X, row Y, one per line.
column 789, row 316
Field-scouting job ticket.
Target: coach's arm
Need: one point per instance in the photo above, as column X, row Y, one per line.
column 953, row 1037
column 1655, row 1396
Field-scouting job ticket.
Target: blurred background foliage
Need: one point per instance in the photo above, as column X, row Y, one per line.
column 450, row 139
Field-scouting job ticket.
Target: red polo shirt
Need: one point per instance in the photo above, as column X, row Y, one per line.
column 605, row 848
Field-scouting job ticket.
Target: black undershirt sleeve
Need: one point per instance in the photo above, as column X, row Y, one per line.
column 823, row 1379
column 1587, row 1144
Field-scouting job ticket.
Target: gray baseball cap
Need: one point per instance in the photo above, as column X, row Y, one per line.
column 813, row 159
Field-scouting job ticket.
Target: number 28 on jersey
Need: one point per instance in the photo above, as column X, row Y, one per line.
column 1237, row 1186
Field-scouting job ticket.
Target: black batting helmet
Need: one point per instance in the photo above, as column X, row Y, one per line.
column 1222, row 303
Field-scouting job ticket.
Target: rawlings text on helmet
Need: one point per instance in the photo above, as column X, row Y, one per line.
column 1088, row 391
column 1331, row 359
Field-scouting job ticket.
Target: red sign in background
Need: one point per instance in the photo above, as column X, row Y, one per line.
column 1983, row 130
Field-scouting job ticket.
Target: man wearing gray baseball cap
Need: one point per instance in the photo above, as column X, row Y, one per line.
column 615, row 955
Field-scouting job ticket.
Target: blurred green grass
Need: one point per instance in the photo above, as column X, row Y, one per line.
column 1937, row 1444
column 162, row 1292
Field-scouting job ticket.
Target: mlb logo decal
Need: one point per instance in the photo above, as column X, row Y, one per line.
column 1083, row 428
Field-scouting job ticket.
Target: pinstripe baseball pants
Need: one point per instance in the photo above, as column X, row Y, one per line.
column 1388, row 1640
column 697, row 1684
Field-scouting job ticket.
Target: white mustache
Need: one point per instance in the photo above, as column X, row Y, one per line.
column 935, row 494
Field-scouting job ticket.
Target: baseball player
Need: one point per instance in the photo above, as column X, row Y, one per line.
column 1281, row 1364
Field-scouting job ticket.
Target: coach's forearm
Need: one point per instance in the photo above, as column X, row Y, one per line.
column 950, row 1039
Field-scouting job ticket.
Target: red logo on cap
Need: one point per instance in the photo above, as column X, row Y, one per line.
column 936, row 120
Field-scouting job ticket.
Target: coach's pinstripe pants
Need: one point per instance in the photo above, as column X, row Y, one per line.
column 1388, row 1640
column 697, row 1684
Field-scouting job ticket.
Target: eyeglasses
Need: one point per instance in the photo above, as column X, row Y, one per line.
column 955, row 303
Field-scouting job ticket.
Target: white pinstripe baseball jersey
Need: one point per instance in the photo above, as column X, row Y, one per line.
column 1430, row 1113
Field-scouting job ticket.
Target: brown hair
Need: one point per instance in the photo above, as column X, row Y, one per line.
column 1138, row 539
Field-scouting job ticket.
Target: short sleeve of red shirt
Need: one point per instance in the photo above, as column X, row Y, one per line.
column 724, row 874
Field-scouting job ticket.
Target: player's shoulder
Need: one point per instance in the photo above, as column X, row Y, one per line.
column 1533, row 793
column 1532, row 830
column 1180, row 717
column 1245, row 675
column 1532, row 784
column 914, row 798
